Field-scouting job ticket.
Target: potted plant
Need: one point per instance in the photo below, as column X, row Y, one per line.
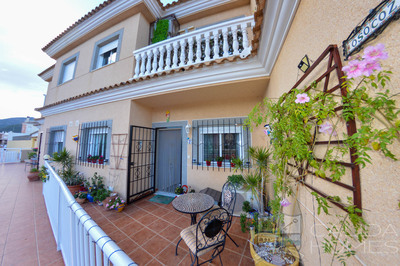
column 101, row 159
column 208, row 162
column 236, row 180
column 43, row 174
column 233, row 157
column 71, row 178
column 80, row 197
column 33, row 175
column 116, row 204
column 219, row 161
column 100, row 195
column 94, row 159
column 179, row 190
column 89, row 158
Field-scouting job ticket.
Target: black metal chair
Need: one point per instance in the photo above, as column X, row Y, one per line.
column 208, row 235
column 228, row 201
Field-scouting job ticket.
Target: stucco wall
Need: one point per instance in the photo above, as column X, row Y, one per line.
column 135, row 35
column 119, row 113
column 316, row 25
column 24, row 144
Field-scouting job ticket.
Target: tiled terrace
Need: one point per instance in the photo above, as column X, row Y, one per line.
column 146, row 231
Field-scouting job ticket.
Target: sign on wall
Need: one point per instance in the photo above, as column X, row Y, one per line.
column 372, row 26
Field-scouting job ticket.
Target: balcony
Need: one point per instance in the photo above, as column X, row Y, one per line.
column 226, row 40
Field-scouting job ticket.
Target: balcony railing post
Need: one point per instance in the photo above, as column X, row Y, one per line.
column 216, row 44
column 225, row 45
column 235, row 44
column 148, row 65
column 207, row 49
column 183, row 52
column 198, row 48
column 168, row 59
column 229, row 38
column 137, row 66
column 190, row 55
column 143, row 65
column 155, row 61
column 161, row 61
column 175, row 58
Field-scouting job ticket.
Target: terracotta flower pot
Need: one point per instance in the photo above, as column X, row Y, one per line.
column 34, row 176
column 74, row 189
column 80, row 201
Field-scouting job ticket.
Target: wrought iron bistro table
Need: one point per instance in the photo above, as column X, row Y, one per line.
column 192, row 203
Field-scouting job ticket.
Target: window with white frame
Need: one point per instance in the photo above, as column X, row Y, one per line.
column 56, row 139
column 68, row 68
column 106, row 51
column 223, row 139
column 95, row 140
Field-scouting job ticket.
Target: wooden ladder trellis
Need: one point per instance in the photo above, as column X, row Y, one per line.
column 334, row 66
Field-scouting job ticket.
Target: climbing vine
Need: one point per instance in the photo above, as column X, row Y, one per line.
column 298, row 118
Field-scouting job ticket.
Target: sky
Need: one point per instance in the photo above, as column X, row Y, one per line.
column 25, row 27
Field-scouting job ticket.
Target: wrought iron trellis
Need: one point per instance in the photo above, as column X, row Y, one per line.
column 334, row 66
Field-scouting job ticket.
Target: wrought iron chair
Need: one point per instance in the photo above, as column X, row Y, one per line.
column 228, row 202
column 208, row 235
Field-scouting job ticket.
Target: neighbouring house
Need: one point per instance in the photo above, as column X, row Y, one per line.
column 157, row 90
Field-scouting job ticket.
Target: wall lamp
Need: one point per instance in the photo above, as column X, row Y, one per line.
column 304, row 64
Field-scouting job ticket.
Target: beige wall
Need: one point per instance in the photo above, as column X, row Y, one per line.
column 316, row 25
column 24, row 144
column 119, row 113
column 135, row 35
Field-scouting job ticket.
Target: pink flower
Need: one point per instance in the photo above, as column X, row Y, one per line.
column 266, row 132
column 116, row 205
column 302, row 98
column 327, row 128
column 375, row 52
column 354, row 69
column 370, row 66
column 107, row 205
column 285, row 203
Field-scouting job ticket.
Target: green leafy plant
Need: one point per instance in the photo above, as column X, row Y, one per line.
column 296, row 118
column 43, row 174
column 161, row 31
column 66, row 160
column 80, row 195
column 219, row 159
column 100, row 194
column 236, row 180
column 179, row 190
column 246, row 206
column 115, row 203
column 34, row 170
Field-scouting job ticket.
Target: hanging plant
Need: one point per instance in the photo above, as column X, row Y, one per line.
column 161, row 31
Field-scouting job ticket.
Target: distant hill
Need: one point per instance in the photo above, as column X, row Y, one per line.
column 13, row 124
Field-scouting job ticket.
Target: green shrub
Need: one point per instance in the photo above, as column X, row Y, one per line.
column 161, row 31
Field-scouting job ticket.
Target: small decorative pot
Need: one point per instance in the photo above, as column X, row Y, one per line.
column 101, row 161
column 232, row 165
column 94, row 160
column 74, row 189
column 121, row 207
column 80, row 201
column 208, row 163
column 34, row 176
column 219, row 164
column 89, row 197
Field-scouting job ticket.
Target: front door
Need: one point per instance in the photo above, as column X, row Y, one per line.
column 169, row 159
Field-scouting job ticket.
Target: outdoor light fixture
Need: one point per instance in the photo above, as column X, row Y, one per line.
column 187, row 128
column 304, row 64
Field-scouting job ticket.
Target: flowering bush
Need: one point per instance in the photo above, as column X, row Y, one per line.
column 114, row 203
column 298, row 116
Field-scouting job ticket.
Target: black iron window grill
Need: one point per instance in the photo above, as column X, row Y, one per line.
column 56, row 139
column 215, row 142
column 94, row 143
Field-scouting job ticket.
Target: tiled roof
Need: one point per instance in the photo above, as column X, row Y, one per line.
column 82, row 19
column 258, row 17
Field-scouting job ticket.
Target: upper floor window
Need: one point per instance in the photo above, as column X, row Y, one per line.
column 106, row 51
column 220, row 140
column 95, row 140
column 68, row 68
column 56, row 139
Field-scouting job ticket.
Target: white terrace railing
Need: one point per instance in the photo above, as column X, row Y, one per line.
column 80, row 239
column 215, row 42
column 12, row 155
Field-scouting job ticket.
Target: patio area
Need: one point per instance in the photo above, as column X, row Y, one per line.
column 146, row 231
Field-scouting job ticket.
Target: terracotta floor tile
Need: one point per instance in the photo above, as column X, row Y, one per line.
column 158, row 225
column 142, row 236
column 147, row 219
column 228, row 258
column 117, row 236
column 167, row 256
column 246, row 261
column 154, row 262
column 47, row 257
column 240, row 241
column 183, row 222
column 155, row 245
column 132, row 228
column 171, row 233
column 127, row 245
column 140, row 256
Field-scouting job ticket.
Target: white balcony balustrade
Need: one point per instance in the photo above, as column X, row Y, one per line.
column 207, row 44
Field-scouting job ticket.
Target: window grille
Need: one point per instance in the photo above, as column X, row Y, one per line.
column 94, row 142
column 224, row 138
column 56, row 139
